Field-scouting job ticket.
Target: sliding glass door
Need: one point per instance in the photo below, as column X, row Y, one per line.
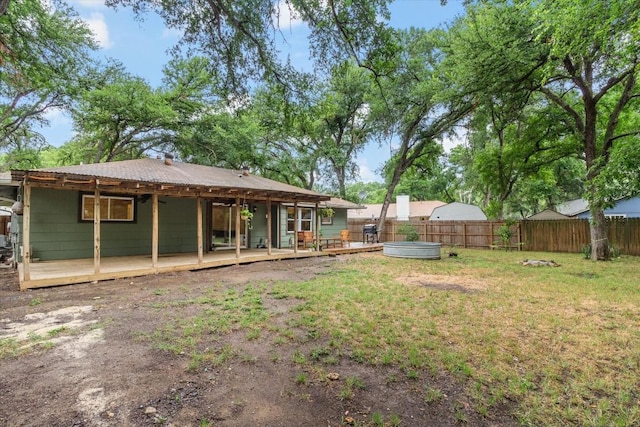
column 223, row 228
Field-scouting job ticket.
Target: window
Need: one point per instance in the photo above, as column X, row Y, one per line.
column 616, row 216
column 305, row 217
column 327, row 220
column 112, row 208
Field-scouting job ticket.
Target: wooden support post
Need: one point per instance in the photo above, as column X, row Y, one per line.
column 295, row 227
column 317, row 226
column 26, row 233
column 269, row 236
column 96, row 231
column 238, row 207
column 154, row 230
column 199, row 229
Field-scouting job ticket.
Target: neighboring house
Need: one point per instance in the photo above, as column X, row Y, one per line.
column 623, row 208
column 457, row 211
column 154, row 207
column 572, row 207
column 547, row 214
column 417, row 210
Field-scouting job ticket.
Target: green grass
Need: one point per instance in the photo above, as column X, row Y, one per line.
column 562, row 343
column 35, row 301
column 559, row 346
column 223, row 312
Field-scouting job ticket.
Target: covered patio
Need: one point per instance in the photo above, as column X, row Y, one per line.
column 70, row 271
column 104, row 221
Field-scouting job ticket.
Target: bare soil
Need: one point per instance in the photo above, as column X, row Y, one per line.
column 102, row 371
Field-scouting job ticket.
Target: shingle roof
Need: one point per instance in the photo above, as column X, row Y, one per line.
column 336, row 202
column 573, row 207
column 416, row 209
column 156, row 172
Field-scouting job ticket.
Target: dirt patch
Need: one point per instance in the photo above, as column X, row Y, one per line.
column 444, row 283
column 90, row 364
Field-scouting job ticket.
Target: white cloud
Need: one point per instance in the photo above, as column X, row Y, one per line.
column 450, row 141
column 99, row 28
column 57, row 117
column 366, row 174
column 286, row 16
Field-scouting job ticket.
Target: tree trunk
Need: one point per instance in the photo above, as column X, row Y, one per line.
column 4, row 5
column 599, row 239
column 387, row 200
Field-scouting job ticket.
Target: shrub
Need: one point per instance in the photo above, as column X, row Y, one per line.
column 409, row 232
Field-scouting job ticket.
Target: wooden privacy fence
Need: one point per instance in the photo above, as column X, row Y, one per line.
column 466, row 234
column 572, row 235
column 563, row 235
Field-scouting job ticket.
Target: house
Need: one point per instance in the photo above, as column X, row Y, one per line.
column 623, row 208
column 416, row 210
column 457, row 211
column 547, row 214
column 149, row 213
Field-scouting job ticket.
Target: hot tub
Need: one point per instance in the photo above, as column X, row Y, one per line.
column 424, row 250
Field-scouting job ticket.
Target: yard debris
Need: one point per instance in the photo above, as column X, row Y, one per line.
column 333, row 376
column 539, row 262
column 150, row 410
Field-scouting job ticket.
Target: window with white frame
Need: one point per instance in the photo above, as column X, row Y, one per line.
column 304, row 218
column 112, row 208
column 615, row 216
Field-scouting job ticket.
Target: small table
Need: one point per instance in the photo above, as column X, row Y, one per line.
column 330, row 242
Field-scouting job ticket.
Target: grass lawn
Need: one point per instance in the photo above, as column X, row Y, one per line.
column 559, row 344
column 562, row 343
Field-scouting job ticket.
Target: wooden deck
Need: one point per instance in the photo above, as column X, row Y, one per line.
column 66, row 272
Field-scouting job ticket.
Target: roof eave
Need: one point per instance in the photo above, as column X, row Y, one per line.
column 71, row 181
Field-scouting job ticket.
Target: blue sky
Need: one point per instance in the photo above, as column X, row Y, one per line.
column 141, row 46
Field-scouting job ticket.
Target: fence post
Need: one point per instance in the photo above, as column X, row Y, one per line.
column 491, row 233
column 464, row 234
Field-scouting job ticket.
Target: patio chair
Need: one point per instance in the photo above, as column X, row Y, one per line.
column 305, row 237
column 344, row 238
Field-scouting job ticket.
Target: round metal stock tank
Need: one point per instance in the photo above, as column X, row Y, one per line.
column 423, row 250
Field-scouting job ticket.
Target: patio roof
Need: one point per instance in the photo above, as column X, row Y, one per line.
column 166, row 177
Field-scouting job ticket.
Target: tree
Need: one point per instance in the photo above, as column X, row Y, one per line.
column 289, row 143
column 244, row 36
column 418, row 105
column 44, row 63
column 512, row 142
column 123, row 119
column 582, row 57
column 343, row 124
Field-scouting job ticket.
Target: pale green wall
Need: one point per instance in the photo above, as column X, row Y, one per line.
column 339, row 223
column 259, row 230
column 56, row 232
column 333, row 230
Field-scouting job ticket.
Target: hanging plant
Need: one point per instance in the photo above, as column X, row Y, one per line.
column 327, row 212
column 246, row 214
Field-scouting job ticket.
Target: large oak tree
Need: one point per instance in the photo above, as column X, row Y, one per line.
column 583, row 57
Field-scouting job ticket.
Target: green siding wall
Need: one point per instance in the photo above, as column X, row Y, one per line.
column 56, row 232
column 333, row 230
column 339, row 223
column 259, row 224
